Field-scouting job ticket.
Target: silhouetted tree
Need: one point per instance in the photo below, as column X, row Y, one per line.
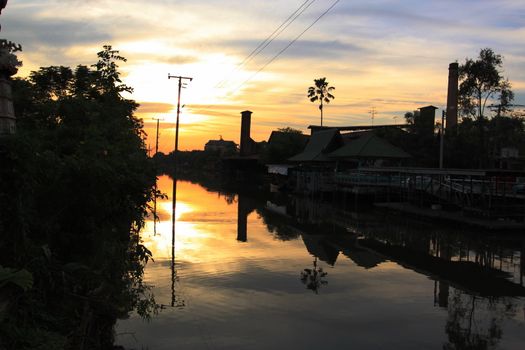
column 482, row 81
column 283, row 144
column 75, row 182
column 321, row 92
column 481, row 84
column 290, row 130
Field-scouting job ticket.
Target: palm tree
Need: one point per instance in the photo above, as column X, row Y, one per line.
column 321, row 91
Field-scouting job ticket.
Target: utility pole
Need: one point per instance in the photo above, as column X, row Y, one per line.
column 155, row 217
column 178, row 114
column 157, row 137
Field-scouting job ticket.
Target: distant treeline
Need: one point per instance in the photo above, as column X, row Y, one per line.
column 191, row 163
column 475, row 143
column 75, row 181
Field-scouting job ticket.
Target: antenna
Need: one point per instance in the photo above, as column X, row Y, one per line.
column 372, row 114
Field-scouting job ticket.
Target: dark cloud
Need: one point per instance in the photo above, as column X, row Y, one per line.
column 300, row 49
column 37, row 32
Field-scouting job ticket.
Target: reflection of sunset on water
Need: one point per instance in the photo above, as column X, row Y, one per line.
column 204, row 222
column 206, row 230
column 237, row 274
column 188, row 237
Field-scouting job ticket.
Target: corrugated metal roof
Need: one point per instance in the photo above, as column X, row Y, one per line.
column 318, row 146
column 369, row 146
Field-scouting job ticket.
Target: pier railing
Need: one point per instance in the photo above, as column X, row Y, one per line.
column 485, row 193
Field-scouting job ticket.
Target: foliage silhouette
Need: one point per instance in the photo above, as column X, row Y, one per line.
column 74, row 193
column 283, row 144
column 321, row 92
column 481, row 82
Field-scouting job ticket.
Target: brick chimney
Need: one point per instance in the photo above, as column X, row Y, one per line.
column 246, row 120
column 452, row 97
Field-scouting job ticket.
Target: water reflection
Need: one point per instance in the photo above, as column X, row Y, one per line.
column 489, row 264
column 244, row 208
column 393, row 283
column 476, row 323
column 314, row 278
column 482, row 271
column 176, row 300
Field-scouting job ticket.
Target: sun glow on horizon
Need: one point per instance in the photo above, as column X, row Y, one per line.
column 370, row 56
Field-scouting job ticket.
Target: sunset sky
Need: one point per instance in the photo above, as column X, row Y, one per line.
column 389, row 55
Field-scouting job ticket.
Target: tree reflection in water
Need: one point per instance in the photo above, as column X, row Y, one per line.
column 478, row 277
column 314, row 278
column 475, row 322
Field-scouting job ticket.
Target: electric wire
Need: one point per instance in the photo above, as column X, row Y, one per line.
column 249, row 58
column 264, row 44
column 285, row 48
column 279, row 53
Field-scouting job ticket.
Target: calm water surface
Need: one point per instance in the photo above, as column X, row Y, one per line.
column 258, row 274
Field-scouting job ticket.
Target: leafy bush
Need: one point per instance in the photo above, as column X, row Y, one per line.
column 75, row 183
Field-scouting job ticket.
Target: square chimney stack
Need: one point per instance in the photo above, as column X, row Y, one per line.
column 452, row 97
column 246, row 141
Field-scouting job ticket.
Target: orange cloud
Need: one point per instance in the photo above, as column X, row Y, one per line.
column 155, row 107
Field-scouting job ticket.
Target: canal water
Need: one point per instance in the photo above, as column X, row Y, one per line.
column 281, row 273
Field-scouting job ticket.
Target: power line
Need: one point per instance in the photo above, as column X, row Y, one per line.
column 286, row 47
column 299, row 11
column 283, row 50
column 264, row 44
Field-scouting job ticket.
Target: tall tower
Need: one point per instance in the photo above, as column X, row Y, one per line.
column 246, row 120
column 452, row 97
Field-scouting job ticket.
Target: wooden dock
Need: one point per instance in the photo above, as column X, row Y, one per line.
column 454, row 217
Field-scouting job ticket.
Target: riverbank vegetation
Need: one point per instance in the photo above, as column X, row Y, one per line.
column 75, row 183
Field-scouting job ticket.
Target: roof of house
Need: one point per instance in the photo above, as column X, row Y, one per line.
column 428, row 107
column 316, row 128
column 221, row 143
column 318, row 146
column 318, row 247
column 364, row 257
column 369, row 145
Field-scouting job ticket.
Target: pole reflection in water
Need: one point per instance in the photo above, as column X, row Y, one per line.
column 155, row 216
column 384, row 273
column 175, row 300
